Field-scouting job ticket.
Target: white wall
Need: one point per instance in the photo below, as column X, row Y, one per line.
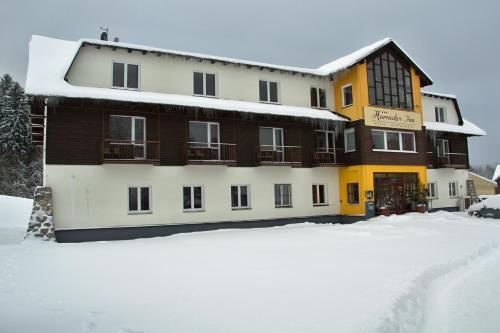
column 166, row 74
column 429, row 103
column 442, row 177
column 97, row 196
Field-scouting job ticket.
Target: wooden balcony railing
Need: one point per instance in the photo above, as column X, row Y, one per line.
column 131, row 151
column 449, row 160
column 328, row 158
column 279, row 155
column 202, row 153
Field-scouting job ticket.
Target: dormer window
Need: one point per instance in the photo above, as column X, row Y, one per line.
column 125, row 76
column 205, row 84
column 318, row 98
column 440, row 113
column 268, row 91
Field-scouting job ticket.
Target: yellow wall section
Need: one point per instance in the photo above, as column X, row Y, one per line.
column 363, row 175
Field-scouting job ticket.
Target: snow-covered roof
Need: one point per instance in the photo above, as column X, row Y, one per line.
column 483, row 178
column 451, row 97
column 427, row 92
column 49, row 60
column 467, row 128
column 358, row 55
column 496, row 175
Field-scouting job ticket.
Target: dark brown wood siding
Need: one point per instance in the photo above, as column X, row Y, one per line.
column 459, row 150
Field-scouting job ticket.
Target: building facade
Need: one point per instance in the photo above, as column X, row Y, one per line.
column 142, row 141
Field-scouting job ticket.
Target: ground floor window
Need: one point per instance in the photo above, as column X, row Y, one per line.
column 139, row 199
column 193, row 198
column 452, row 189
column 240, row 196
column 432, row 190
column 395, row 191
column 353, row 193
column 319, row 194
column 283, row 195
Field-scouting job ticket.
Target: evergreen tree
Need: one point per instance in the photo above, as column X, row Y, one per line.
column 6, row 83
column 15, row 126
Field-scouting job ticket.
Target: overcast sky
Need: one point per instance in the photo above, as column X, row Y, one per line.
column 456, row 42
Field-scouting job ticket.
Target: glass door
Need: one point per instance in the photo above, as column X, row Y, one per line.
column 139, row 137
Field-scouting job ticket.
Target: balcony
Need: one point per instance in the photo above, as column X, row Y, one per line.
column 327, row 158
column 125, row 151
column 202, row 153
column 449, row 160
column 279, row 155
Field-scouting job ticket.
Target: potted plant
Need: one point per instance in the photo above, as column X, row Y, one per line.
column 420, row 198
column 387, row 202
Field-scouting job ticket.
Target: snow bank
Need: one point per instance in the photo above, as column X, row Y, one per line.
column 492, row 202
column 14, row 218
column 365, row 277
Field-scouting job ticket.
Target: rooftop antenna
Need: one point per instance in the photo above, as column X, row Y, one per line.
column 104, row 34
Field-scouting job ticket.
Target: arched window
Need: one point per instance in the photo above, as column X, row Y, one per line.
column 389, row 81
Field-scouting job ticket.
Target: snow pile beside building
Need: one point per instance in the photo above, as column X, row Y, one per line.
column 14, row 218
column 383, row 275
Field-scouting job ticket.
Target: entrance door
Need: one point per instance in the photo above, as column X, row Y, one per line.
column 395, row 191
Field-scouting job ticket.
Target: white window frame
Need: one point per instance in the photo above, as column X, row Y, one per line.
column 132, row 133
column 139, row 211
column 318, row 99
column 455, row 189
column 205, row 84
column 125, row 75
column 281, row 205
column 434, row 194
column 268, row 85
column 346, row 133
column 437, row 113
column 400, row 142
column 209, row 124
column 328, row 148
column 443, row 149
column 192, row 209
column 274, row 146
column 325, row 203
column 343, row 95
column 239, row 207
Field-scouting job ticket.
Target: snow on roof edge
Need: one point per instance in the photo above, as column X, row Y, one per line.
column 484, row 178
column 496, row 174
column 467, row 128
column 438, row 94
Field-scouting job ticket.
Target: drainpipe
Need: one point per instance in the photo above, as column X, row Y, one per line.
column 44, row 144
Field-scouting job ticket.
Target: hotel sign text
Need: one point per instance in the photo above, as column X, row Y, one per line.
column 382, row 117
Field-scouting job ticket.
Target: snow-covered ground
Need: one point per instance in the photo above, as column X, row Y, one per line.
column 412, row 273
column 14, row 218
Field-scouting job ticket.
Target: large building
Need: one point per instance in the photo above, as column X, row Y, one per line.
column 142, row 141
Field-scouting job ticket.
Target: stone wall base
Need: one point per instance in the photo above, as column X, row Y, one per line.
column 42, row 223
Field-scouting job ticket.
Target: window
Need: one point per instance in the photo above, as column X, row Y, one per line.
column 204, row 84
column 268, row 91
column 271, row 138
column 193, row 198
column 318, row 98
column 325, row 141
column 350, row 140
column 440, row 114
column 347, row 95
column 353, row 193
column 240, row 196
column 452, row 189
column 125, row 75
column 389, row 81
column 204, row 134
column 432, row 190
column 443, row 148
column 139, row 199
column 319, row 195
column 393, row 141
column 282, row 195
column 128, row 130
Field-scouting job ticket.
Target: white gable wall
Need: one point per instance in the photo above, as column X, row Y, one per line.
column 429, row 103
column 174, row 75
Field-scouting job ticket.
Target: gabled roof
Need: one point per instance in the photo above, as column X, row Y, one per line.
column 49, row 60
column 451, row 97
column 483, row 178
column 496, row 175
column 466, row 128
column 361, row 54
